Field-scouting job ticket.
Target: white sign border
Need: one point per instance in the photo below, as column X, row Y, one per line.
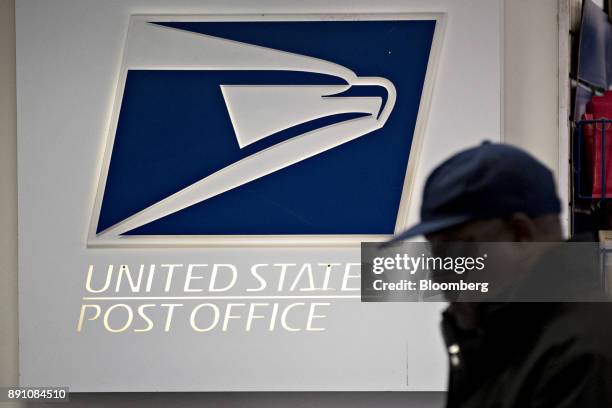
column 187, row 241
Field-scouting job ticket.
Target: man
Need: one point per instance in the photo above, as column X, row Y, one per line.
column 514, row 354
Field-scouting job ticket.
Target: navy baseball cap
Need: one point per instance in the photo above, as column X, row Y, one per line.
column 488, row 181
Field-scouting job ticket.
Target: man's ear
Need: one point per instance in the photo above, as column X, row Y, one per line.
column 523, row 227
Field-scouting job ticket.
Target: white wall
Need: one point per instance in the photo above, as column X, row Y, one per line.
column 8, row 198
column 531, row 79
column 531, row 83
column 530, row 109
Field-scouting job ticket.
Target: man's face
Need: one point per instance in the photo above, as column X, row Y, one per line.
column 494, row 230
column 516, row 228
column 509, row 259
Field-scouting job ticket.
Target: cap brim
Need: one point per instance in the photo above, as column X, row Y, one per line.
column 428, row 227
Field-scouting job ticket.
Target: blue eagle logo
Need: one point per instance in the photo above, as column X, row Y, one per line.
column 260, row 129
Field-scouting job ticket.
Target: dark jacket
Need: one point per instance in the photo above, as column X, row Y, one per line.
column 532, row 355
column 537, row 355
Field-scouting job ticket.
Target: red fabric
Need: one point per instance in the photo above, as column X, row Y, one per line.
column 600, row 107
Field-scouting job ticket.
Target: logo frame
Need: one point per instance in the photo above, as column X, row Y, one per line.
column 99, row 240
